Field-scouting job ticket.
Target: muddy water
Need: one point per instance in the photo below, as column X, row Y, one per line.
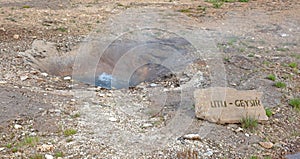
column 127, row 62
column 143, row 55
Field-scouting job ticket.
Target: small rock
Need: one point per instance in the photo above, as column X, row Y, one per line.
column 3, row 82
column 112, row 119
column 2, row 29
column 147, row 125
column 239, row 129
column 23, row 78
column 192, row 137
column 44, row 74
column 101, row 95
column 153, row 85
column 2, row 148
column 246, row 134
column 284, row 35
column 49, row 156
column 266, row 145
column 17, row 126
column 45, row 148
column 73, row 100
column 16, row 36
column 67, row 78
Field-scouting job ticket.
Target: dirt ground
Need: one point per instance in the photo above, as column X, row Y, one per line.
column 43, row 116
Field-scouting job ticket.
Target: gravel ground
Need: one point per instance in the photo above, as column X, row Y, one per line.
column 46, row 114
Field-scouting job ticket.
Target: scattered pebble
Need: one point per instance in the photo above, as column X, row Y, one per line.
column 147, row 125
column 266, row 145
column 192, row 137
column 3, row 82
column 44, row 74
column 246, row 134
column 239, row 129
column 16, row 36
column 23, row 78
column 49, row 156
column 45, row 148
column 17, row 126
column 112, row 119
column 67, row 78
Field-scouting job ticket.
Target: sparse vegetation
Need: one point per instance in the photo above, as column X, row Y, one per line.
column 293, row 64
column 31, row 141
column 26, row 6
column 59, row 154
column 271, row 77
column 15, row 149
column 249, row 123
column 295, row 103
column 9, row 145
column 184, row 10
column 269, row 112
column 77, row 115
column 253, row 157
column 70, row 132
column 280, row 85
column 62, row 29
column 37, row 156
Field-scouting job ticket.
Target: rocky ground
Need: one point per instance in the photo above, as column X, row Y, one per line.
column 43, row 115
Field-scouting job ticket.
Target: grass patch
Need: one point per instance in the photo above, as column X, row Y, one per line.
column 9, row 145
column 15, row 149
column 293, row 64
column 37, row 156
column 26, row 6
column 297, row 56
column 62, row 29
column 184, row 10
column 271, row 77
column 249, row 123
column 295, row 103
column 243, row 0
column 77, row 115
column 31, row 141
column 282, row 49
column 70, row 132
column 59, row 154
column 280, row 85
column 269, row 112
column 253, row 157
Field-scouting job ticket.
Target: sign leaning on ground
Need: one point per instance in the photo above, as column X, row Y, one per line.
column 228, row 105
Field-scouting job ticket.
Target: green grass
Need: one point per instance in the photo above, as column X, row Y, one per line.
column 297, row 56
column 15, row 149
column 280, row 85
column 70, row 132
column 184, row 10
column 62, row 29
column 293, row 64
column 37, row 156
column 249, row 123
column 282, row 49
column 295, row 103
column 31, row 141
column 271, row 77
column 243, row 0
column 269, row 112
column 26, row 6
column 77, row 115
column 267, row 157
column 59, row 154
column 9, row 145
column 253, row 157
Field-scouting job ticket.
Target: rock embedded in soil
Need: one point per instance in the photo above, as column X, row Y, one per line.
column 228, row 105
